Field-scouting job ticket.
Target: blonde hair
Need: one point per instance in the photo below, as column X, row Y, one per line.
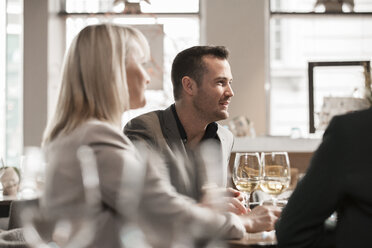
column 94, row 83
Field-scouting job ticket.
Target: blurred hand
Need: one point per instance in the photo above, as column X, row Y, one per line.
column 261, row 218
column 223, row 200
column 234, row 193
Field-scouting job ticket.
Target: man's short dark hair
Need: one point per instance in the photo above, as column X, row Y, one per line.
column 190, row 63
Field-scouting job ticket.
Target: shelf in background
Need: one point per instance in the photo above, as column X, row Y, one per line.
column 269, row 144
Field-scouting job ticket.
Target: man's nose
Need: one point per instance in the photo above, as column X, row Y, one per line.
column 229, row 91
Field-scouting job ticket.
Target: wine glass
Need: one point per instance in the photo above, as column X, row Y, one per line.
column 32, row 172
column 247, row 173
column 276, row 173
column 67, row 225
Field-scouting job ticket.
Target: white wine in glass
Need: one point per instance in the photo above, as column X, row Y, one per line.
column 276, row 174
column 247, row 173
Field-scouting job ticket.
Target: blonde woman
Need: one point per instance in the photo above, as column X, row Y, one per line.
column 103, row 76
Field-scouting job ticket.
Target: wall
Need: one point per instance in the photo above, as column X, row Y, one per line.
column 44, row 46
column 35, row 73
column 242, row 26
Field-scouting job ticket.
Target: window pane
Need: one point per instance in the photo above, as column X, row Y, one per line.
column 308, row 5
column 93, row 6
column 156, row 6
column 178, row 33
column 171, row 6
column 2, row 75
column 312, row 39
column 335, row 82
column 13, row 83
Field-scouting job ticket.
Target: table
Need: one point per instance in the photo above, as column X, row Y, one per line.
column 255, row 240
column 4, row 208
column 5, row 202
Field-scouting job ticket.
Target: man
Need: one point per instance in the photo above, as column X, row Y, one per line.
column 201, row 78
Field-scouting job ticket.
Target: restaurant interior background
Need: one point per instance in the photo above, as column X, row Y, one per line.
column 271, row 43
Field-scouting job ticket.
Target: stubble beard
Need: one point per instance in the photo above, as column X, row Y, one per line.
column 208, row 115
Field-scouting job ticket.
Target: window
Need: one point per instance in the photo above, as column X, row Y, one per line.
column 11, row 81
column 177, row 22
column 156, row 6
column 295, row 40
column 2, row 75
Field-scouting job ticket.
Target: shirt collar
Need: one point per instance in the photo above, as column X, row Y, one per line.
column 210, row 132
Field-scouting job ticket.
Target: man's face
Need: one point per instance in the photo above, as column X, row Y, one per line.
column 214, row 92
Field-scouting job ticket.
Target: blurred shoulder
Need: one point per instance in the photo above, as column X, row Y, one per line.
column 223, row 131
column 100, row 131
column 352, row 130
column 148, row 121
column 97, row 126
column 358, row 121
column 144, row 119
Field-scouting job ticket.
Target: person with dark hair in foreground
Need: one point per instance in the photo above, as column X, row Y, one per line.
column 338, row 182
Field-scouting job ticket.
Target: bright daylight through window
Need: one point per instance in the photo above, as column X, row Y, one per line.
column 176, row 20
column 296, row 40
column 11, row 81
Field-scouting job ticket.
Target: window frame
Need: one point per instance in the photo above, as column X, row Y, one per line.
column 279, row 15
column 311, row 66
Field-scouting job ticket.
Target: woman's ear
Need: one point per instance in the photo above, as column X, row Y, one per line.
column 189, row 85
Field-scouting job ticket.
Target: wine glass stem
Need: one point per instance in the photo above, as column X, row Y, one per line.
column 275, row 200
column 246, row 196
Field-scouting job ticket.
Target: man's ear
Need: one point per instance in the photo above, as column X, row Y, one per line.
column 189, row 85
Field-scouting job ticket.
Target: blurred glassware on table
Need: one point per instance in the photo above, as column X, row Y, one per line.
column 276, row 173
column 32, row 171
column 260, row 198
column 241, row 126
column 212, row 177
column 295, row 133
column 294, row 178
column 10, row 180
column 247, row 173
column 210, row 155
column 72, row 225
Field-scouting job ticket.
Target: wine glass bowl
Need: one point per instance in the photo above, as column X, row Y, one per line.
column 276, row 174
column 247, row 173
